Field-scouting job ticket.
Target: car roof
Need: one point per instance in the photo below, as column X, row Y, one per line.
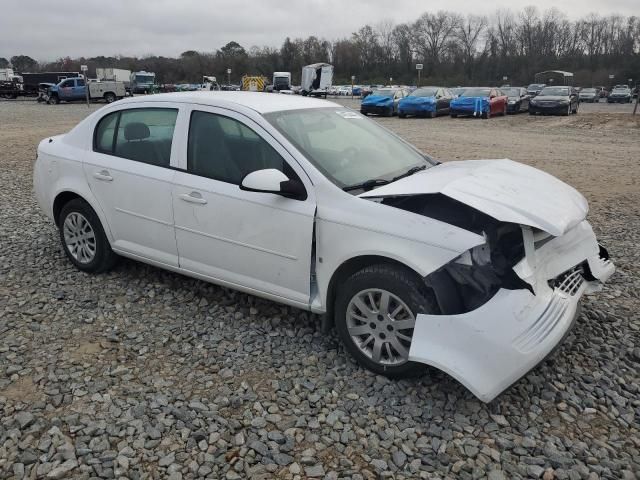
column 258, row 101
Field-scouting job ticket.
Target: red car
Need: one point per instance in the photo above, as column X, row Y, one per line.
column 479, row 102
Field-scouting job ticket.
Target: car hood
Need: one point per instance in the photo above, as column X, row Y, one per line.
column 552, row 98
column 506, row 190
column 417, row 100
column 376, row 99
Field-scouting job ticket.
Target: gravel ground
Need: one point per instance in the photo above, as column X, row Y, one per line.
column 140, row 373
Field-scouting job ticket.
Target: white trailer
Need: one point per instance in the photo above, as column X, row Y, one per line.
column 317, row 79
column 114, row 74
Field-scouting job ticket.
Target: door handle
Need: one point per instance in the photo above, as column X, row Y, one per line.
column 193, row 197
column 103, row 175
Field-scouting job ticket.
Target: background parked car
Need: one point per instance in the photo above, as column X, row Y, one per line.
column 426, row 102
column 535, row 88
column 555, row 101
column 479, row 102
column 620, row 94
column 517, row 99
column 603, row 92
column 589, row 95
column 383, row 101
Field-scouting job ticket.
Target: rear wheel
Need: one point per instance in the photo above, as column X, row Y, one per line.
column 109, row 97
column 83, row 238
column 376, row 310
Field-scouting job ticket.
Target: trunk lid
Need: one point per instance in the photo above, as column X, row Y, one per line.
column 506, row 190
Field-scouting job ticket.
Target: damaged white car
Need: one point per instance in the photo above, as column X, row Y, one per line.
column 475, row 268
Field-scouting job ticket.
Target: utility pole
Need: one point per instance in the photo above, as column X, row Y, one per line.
column 84, row 70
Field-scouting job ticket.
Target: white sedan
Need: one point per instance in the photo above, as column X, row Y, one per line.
column 473, row 267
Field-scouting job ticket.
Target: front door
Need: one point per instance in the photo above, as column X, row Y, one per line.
column 256, row 241
column 128, row 172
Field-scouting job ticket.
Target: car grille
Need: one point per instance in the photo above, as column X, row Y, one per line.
column 570, row 281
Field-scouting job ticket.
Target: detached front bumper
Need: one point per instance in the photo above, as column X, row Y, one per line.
column 490, row 348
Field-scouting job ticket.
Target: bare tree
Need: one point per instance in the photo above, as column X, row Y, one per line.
column 469, row 32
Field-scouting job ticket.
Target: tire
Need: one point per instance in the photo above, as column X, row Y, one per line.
column 453, row 115
column 54, row 100
column 389, row 113
column 71, row 220
column 486, row 115
column 433, row 114
column 504, row 110
column 406, row 291
column 531, row 112
column 568, row 112
column 575, row 110
column 402, row 115
column 109, row 97
column 364, row 113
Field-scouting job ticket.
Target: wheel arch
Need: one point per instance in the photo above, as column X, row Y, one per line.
column 348, row 268
column 64, row 196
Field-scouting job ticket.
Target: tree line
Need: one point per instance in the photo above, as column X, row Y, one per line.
column 454, row 49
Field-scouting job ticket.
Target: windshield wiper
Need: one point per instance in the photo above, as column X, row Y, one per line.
column 367, row 184
column 378, row 182
column 409, row 172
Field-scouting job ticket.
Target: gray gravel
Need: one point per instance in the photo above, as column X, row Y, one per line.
column 141, row 373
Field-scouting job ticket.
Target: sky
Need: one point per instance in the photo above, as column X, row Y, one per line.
column 47, row 30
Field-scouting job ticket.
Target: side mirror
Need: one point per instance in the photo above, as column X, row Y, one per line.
column 492, row 96
column 271, row 180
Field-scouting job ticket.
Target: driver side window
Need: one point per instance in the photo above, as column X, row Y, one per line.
column 224, row 149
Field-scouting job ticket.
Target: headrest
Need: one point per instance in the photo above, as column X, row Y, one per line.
column 136, row 131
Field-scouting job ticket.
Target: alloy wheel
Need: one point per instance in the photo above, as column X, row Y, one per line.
column 381, row 326
column 79, row 237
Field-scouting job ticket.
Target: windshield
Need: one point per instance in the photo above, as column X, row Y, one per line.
column 144, row 78
column 555, row 91
column 588, row 90
column 535, row 86
column 384, row 93
column 345, row 146
column 476, row 92
column 424, row 92
column 620, row 90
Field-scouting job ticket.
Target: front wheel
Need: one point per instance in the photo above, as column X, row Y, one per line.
column 83, row 238
column 375, row 314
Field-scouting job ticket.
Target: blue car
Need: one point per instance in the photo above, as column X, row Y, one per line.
column 479, row 102
column 425, row 102
column 382, row 101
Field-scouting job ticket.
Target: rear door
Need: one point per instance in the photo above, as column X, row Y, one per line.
column 129, row 172
column 255, row 241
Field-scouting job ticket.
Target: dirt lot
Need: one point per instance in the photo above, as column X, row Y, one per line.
column 141, row 373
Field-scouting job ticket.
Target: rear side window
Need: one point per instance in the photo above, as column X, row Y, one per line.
column 142, row 134
column 224, row 149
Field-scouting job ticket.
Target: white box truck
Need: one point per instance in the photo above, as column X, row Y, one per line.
column 281, row 81
column 316, row 79
column 114, row 75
